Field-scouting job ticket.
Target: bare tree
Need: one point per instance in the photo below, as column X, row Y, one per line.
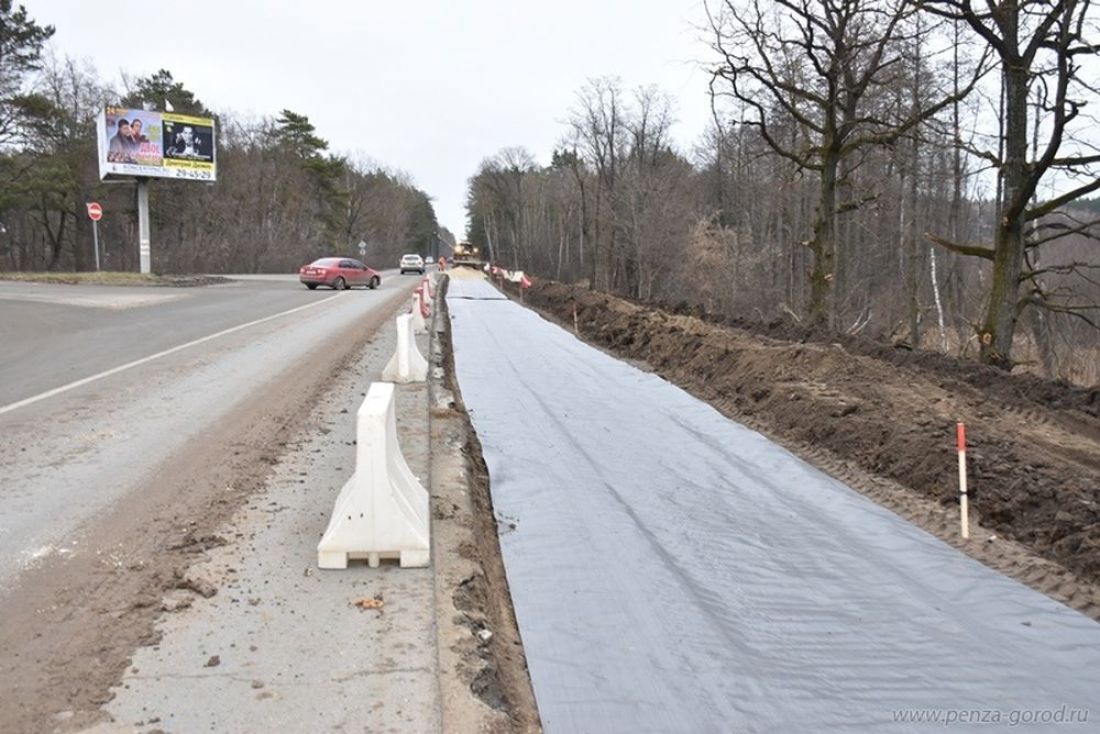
column 821, row 65
column 601, row 137
column 1040, row 46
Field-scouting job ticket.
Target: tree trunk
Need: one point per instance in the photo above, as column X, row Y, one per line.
column 912, row 273
column 938, row 300
column 999, row 326
column 1040, row 331
column 597, row 246
column 81, row 235
column 56, row 239
column 823, row 244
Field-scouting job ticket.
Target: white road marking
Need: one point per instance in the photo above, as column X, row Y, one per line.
column 145, row 360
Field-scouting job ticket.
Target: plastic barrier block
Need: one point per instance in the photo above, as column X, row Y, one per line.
column 407, row 363
column 382, row 511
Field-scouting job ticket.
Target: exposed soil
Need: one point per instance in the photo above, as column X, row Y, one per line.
column 72, row 624
column 883, row 420
column 489, row 658
column 1023, row 389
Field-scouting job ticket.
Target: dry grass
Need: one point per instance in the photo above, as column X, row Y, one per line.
column 113, row 278
column 100, row 278
column 1077, row 364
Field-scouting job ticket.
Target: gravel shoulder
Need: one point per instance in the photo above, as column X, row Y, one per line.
column 282, row 645
column 72, row 622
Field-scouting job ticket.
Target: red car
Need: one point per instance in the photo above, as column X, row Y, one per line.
column 338, row 273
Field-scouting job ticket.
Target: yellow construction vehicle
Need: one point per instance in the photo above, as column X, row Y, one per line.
column 468, row 255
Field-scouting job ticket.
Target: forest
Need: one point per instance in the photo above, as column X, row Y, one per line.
column 921, row 171
column 282, row 197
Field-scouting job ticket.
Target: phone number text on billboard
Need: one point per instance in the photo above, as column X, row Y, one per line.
column 129, row 169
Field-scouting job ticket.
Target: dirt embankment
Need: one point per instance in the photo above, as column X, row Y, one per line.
column 883, row 420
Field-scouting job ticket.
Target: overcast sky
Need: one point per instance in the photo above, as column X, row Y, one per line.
column 429, row 87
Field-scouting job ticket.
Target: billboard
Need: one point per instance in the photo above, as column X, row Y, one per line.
column 155, row 144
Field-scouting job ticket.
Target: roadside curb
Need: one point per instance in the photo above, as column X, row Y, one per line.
column 479, row 647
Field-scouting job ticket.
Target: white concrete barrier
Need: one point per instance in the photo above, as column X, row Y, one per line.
column 382, row 512
column 417, row 311
column 407, row 363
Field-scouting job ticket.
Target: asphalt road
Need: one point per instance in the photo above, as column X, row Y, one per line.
column 99, row 385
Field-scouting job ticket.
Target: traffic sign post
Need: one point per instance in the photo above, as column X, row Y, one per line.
column 95, row 213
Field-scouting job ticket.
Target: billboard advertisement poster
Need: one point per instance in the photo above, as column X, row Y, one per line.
column 156, row 145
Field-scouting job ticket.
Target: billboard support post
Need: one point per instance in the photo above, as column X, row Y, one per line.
column 95, row 238
column 144, row 248
column 141, row 144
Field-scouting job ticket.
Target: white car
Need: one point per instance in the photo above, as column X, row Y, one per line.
column 412, row 264
column 429, row 260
